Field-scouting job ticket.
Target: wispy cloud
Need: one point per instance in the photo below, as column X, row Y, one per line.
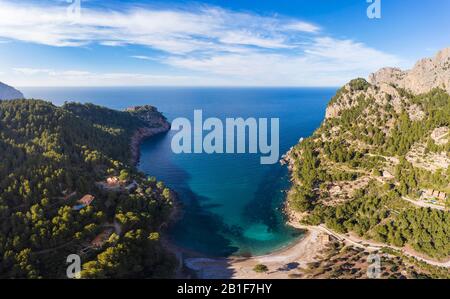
column 223, row 46
column 324, row 62
column 50, row 72
column 302, row 27
column 173, row 31
column 142, row 57
column 51, row 77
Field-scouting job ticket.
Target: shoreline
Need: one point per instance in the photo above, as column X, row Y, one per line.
column 140, row 135
column 300, row 252
column 283, row 263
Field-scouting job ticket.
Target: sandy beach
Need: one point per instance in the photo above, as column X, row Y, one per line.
column 284, row 263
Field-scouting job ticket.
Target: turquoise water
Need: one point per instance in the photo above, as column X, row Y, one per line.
column 232, row 203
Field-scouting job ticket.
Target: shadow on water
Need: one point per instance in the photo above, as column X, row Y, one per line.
column 196, row 221
column 269, row 200
column 203, row 236
column 266, row 199
column 198, row 225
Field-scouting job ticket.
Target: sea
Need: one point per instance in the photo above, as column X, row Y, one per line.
column 232, row 204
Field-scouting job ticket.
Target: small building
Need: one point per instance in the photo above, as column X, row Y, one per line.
column 442, row 196
column 86, row 200
column 101, row 239
column 440, row 135
column 434, row 194
column 325, row 239
column 113, row 181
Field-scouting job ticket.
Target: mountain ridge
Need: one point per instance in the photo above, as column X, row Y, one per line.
column 378, row 166
column 427, row 73
column 9, row 93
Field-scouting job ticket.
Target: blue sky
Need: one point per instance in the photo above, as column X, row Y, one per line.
column 213, row 43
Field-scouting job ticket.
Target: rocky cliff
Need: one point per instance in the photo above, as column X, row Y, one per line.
column 428, row 73
column 155, row 122
column 392, row 86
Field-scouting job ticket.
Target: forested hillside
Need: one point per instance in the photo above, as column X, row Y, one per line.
column 54, row 156
column 378, row 167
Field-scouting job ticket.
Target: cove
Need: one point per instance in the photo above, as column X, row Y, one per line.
column 232, row 203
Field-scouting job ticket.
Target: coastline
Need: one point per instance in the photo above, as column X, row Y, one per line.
column 286, row 262
column 191, row 264
column 142, row 134
column 283, row 263
column 139, row 136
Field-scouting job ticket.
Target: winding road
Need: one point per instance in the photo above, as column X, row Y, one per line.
column 423, row 204
column 373, row 246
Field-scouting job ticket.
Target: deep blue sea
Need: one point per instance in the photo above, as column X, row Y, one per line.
column 232, row 203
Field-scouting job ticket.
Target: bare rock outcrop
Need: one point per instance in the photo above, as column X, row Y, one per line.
column 155, row 122
column 349, row 97
column 427, row 74
column 383, row 86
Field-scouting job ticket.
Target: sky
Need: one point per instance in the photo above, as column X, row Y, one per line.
column 213, row 43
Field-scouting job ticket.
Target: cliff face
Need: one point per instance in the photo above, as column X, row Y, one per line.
column 384, row 86
column 155, row 123
column 381, row 94
column 150, row 115
column 427, row 74
column 9, row 93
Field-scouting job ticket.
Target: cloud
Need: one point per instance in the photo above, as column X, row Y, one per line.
column 302, row 26
column 213, row 45
column 51, row 77
column 50, row 72
column 142, row 57
column 174, row 31
column 31, row 71
column 324, row 62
